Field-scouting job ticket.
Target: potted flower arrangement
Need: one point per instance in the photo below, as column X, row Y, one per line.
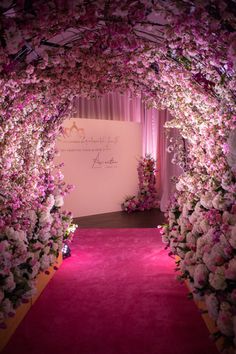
column 147, row 195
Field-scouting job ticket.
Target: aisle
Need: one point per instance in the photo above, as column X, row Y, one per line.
column 116, row 294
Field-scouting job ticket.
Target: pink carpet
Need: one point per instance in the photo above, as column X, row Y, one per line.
column 117, row 294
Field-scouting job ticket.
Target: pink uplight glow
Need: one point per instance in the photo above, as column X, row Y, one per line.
column 122, row 293
column 180, row 55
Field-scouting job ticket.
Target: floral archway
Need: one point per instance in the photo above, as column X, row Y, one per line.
column 181, row 56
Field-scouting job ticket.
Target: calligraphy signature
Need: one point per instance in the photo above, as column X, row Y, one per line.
column 98, row 163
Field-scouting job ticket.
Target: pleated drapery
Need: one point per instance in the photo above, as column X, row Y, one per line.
column 165, row 169
column 110, row 106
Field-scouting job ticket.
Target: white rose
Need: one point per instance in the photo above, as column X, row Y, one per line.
column 193, row 217
column 191, row 270
column 179, row 186
column 45, row 218
column 174, row 233
column 198, row 207
column 217, row 202
column 45, row 262
column 196, row 228
column 32, row 216
column 206, row 200
column 217, row 279
column 228, row 218
column 22, row 236
column 221, row 203
column 55, row 246
column 11, row 233
column 225, row 322
column 204, row 225
column 21, row 248
column 207, row 259
column 200, row 276
column 59, row 201
column 44, row 236
column 9, row 283
column 52, row 258
column 185, row 210
column 200, row 245
column 50, row 202
column 190, row 240
column 7, row 306
column 35, row 269
column 231, row 156
column 230, row 272
column 46, row 250
column 232, row 239
column 212, row 305
column 189, row 205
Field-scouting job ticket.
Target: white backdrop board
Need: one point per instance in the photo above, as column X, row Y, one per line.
column 100, row 158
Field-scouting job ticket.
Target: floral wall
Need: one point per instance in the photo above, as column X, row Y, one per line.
column 181, row 56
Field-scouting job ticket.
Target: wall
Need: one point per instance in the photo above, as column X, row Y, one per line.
column 100, row 159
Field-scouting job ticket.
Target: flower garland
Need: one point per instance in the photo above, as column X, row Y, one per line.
column 181, row 55
column 147, row 196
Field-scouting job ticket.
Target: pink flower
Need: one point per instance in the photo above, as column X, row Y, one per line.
column 230, row 272
column 200, row 276
column 225, row 322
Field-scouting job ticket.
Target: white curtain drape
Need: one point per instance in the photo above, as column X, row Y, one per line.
column 165, row 169
column 126, row 107
column 111, row 106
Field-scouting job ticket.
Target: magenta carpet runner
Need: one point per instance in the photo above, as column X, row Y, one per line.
column 116, row 294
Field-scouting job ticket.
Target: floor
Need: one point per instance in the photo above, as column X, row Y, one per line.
column 139, row 219
column 116, row 294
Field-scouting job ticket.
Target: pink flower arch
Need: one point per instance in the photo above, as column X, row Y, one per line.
column 181, row 56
